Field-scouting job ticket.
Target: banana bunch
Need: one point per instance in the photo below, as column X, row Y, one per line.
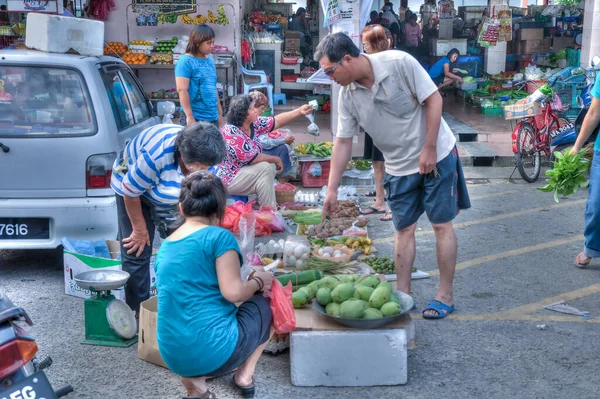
column 186, row 19
column 362, row 244
column 199, row 20
column 162, row 18
column 221, row 16
column 211, row 17
column 300, row 149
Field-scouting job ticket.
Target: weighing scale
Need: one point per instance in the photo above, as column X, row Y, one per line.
column 108, row 321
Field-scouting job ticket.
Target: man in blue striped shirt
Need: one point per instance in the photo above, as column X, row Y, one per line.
column 147, row 179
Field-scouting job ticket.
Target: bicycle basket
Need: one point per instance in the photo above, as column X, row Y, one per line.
column 557, row 105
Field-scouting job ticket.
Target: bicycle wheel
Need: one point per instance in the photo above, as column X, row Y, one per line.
column 528, row 157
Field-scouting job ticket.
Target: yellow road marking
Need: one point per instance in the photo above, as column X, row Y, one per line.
column 522, row 313
column 491, row 219
column 514, row 252
column 568, row 296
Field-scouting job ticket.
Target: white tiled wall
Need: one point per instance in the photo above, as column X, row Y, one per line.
column 590, row 46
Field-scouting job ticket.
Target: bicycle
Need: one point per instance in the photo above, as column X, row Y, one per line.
column 531, row 138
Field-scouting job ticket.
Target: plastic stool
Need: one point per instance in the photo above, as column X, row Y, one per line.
column 239, row 198
column 277, row 98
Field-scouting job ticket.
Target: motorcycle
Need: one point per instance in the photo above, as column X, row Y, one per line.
column 21, row 372
column 565, row 137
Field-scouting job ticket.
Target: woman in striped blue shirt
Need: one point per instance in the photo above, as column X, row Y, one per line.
column 147, row 179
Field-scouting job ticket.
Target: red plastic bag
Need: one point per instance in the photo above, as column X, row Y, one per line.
column 271, row 217
column 233, row 213
column 284, row 317
column 261, row 228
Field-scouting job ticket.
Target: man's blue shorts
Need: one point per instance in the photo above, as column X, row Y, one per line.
column 442, row 197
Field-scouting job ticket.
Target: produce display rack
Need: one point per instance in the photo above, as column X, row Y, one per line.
column 226, row 66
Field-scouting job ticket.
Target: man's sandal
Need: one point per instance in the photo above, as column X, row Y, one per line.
column 248, row 390
column 440, row 307
column 582, row 260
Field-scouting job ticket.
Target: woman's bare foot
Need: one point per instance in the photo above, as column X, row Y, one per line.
column 582, row 260
column 195, row 387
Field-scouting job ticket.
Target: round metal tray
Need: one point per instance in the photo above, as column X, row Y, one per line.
column 406, row 303
column 101, row 280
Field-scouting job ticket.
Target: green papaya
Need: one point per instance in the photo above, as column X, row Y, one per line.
column 333, row 309
column 380, row 296
column 324, row 296
column 372, row 313
column 390, row 309
column 342, row 292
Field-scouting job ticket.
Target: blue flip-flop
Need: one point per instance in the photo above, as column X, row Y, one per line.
column 440, row 307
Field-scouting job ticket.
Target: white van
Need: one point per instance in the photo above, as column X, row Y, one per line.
column 63, row 119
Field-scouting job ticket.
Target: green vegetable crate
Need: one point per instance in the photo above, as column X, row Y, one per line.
column 492, row 110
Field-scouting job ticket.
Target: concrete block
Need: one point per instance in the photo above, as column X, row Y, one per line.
column 58, row 34
column 349, row 358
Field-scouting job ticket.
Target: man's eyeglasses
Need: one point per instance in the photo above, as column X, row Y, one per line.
column 331, row 71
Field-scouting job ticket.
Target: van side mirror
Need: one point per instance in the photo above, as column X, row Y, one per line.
column 596, row 62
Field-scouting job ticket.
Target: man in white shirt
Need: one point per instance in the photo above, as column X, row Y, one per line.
column 392, row 97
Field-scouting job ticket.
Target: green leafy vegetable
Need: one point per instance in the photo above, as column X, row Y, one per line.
column 546, row 90
column 568, row 174
column 469, row 80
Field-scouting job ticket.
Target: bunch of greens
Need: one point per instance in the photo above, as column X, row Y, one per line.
column 568, row 3
column 546, row 90
column 559, row 55
column 568, row 174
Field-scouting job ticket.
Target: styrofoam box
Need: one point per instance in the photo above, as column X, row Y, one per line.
column 58, row 34
column 440, row 47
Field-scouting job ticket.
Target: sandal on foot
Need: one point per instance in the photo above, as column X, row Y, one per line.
column 371, row 193
column 205, row 395
column 371, row 211
column 582, row 260
column 442, row 309
column 387, row 217
column 248, row 390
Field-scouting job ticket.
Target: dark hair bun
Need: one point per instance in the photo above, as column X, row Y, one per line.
column 200, row 183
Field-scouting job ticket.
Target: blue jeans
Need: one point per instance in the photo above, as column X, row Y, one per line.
column 592, row 212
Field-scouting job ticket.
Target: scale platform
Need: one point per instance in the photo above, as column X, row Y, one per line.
column 108, row 321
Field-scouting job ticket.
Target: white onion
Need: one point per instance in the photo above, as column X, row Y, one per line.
column 320, row 251
column 306, row 255
column 288, row 251
column 272, row 242
column 292, row 260
column 327, row 255
column 328, row 250
column 300, row 250
column 337, row 252
column 299, row 263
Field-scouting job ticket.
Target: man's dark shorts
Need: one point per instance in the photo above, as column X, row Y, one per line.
column 442, row 197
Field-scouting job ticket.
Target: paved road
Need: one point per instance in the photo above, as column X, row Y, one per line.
column 516, row 254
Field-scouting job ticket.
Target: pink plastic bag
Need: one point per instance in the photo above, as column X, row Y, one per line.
column 284, row 317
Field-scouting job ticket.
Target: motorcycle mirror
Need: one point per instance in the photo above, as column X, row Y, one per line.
column 596, row 62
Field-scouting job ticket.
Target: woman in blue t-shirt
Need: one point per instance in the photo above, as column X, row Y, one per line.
column 196, row 79
column 200, row 331
column 441, row 73
column 591, row 248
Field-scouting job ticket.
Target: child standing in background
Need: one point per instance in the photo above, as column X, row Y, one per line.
column 196, row 79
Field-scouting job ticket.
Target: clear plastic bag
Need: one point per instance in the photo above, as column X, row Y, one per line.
column 247, row 225
column 296, row 251
column 355, row 231
column 315, row 169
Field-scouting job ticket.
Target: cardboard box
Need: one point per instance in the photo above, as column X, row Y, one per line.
column 147, row 343
column 519, row 111
column 535, row 46
column 530, row 34
column 77, row 263
column 560, row 43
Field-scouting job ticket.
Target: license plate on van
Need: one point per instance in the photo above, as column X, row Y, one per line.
column 24, row 228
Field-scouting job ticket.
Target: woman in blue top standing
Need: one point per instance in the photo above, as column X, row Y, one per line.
column 591, row 248
column 200, row 331
column 196, row 79
column 441, row 73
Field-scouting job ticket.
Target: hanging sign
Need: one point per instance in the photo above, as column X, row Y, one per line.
column 333, row 13
column 48, row 6
column 168, row 6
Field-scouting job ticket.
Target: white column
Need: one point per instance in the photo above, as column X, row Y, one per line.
column 495, row 57
column 590, row 45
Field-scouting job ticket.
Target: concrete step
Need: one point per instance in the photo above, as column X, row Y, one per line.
column 462, row 131
column 478, row 154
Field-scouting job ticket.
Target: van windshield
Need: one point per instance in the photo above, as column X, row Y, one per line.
column 38, row 101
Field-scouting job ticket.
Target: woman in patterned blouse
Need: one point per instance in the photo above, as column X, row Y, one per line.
column 245, row 169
